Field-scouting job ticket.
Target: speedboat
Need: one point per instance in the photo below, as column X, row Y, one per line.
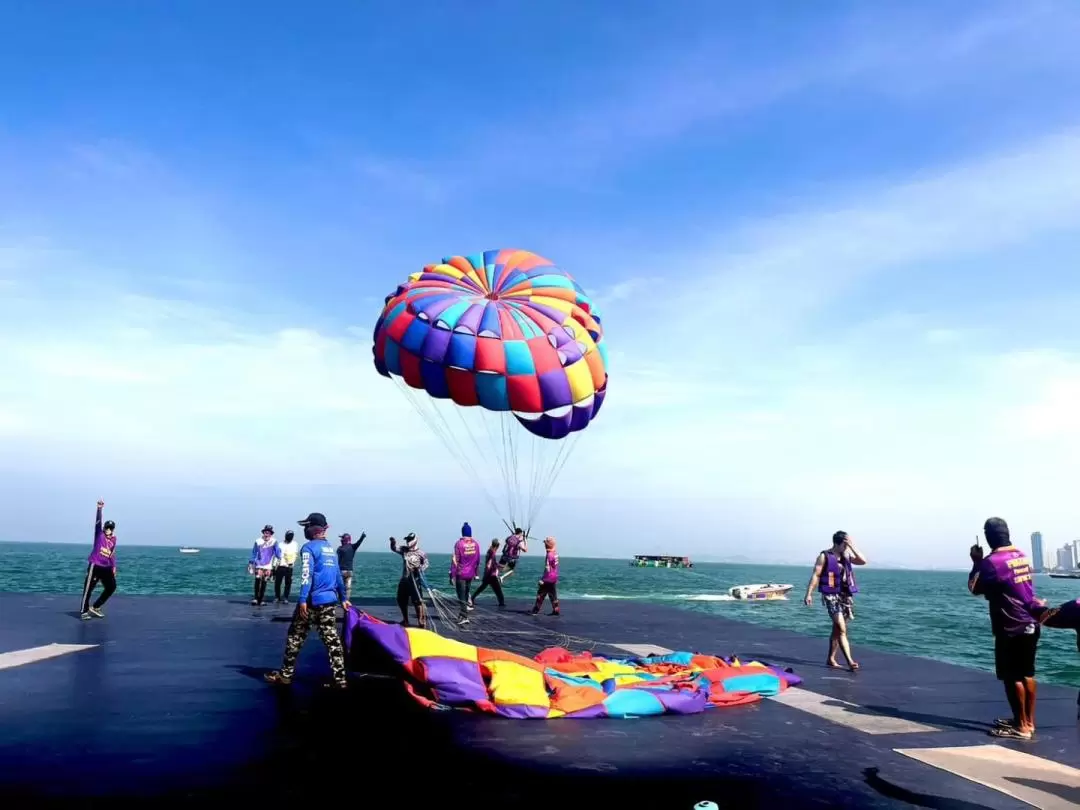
column 759, row 592
column 186, row 550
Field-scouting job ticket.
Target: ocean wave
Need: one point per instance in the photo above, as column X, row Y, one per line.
column 659, row 597
column 706, row 597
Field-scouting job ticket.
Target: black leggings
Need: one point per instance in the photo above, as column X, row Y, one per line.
column 94, row 575
column 491, row 581
column 283, row 573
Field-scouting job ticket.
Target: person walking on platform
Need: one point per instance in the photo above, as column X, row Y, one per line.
column 1004, row 578
column 346, row 554
column 463, row 566
column 283, row 574
column 321, row 589
column 547, row 588
column 101, row 567
column 263, row 560
column 491, row 575
column 834, row 578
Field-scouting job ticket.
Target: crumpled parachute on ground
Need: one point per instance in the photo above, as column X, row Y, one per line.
column 446, row 672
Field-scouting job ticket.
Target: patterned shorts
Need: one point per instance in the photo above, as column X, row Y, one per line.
column 839, row 605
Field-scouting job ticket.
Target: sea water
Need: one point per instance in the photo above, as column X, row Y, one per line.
column 923, row 613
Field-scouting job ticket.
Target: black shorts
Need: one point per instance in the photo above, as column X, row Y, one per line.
column 1014, row 657
column 408, row 591
column 509, row 565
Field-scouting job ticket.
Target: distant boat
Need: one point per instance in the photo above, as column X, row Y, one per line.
column 1067, row 575
column 186, row 550
column 660, row 561
column 760, row 592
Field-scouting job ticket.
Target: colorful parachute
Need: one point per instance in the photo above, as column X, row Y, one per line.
column 555, row 684
column 506, row 346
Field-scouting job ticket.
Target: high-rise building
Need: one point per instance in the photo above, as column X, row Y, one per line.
column 1065, row 559
column 1038, row 559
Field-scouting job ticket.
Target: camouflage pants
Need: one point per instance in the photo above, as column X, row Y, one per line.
column 323, row 619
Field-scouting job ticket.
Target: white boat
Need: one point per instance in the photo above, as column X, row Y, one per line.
column 759, row 592
column 186, row 550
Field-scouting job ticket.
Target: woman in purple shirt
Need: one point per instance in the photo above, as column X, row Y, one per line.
column 548, row 585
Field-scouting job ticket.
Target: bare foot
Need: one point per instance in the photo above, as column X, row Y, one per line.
column 831, row 664
column 854, row 667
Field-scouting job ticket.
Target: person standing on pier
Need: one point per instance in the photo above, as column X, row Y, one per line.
column 346, row 555
column 834, row 578
column 263, row 560
column 491, row 575
column 463, row 566
column 548, row 587
column 516, row 545
column 101, row 567
column 1004, row 578
column 321, row 590
column 283, row 574
column 414, row 563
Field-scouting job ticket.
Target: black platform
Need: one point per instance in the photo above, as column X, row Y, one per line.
column 170, row 703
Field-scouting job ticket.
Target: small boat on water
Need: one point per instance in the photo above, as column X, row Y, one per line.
column 760, row 592
column 1066, row 575
column 186, row 550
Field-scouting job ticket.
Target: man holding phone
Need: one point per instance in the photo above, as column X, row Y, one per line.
column 834, row 578
column 1004, row 578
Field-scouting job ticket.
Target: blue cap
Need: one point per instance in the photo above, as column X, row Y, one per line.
column 466, row 530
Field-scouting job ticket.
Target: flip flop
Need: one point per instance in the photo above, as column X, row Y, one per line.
column 1004, row 722
column 1011, row 733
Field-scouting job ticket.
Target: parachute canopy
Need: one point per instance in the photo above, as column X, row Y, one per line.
column 503, row 355
column 505, row 331
column 445, row 672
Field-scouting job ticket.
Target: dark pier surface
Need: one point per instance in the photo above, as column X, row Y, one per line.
column 165, row 699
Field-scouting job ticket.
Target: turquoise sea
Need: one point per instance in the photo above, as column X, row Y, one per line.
column 923, row 613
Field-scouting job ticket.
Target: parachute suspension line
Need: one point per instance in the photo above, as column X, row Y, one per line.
column 443, row 432
column 476, row 474
column 496, row 461
column 566, row 449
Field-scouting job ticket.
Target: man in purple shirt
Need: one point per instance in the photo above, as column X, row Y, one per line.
column 463, row 565
column 1004, row 578
column 101, row 567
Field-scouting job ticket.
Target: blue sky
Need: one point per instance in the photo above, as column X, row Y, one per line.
column 835, row 245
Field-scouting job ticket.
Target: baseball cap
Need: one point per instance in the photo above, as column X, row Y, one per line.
column 315, row 520
column 346, row 537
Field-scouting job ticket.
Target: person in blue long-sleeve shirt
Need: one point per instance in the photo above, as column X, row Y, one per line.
column 322, row 588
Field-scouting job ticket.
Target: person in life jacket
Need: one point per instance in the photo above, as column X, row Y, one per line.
column 262, row 562
column 515, row 545
column 835, row 581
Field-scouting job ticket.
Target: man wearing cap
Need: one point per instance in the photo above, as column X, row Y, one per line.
column 1004, row 577
column 346, row 553
column 321, row 589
